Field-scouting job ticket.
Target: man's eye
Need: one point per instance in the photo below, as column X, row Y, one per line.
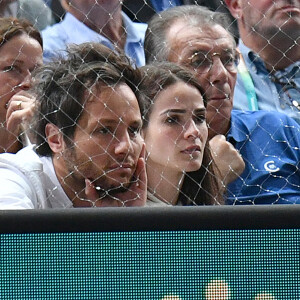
column 199, row 60
column 134, row 131
column 199, row 119
column 228, row 60
column 105, row 130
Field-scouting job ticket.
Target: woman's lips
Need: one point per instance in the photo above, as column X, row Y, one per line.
column 191, row 149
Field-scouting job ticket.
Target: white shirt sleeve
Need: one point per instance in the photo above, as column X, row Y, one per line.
column 16, row 190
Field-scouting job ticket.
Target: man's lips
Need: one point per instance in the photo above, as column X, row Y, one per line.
column 218, row 97
column 121, row 166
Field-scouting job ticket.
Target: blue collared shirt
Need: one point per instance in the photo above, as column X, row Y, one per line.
column 269, row 143
column 270, row 95
column 72, row 31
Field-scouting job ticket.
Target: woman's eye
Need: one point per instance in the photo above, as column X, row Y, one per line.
column 172, row 120
column 12, row 68
column 8, row 68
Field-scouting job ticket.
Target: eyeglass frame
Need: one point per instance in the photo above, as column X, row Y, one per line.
column 235, row 56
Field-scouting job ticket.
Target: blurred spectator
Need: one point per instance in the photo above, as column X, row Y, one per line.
column 20, row 53
column 89, row 149
column 269, row 74
column 34, row 11
column 180, row 169
column 143, row 10
column 269, row 142
column 48, row 2
column 102, row 22
column 57, row 10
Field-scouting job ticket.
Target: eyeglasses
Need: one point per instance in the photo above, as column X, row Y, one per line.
column 290, row 88
column 202, row 62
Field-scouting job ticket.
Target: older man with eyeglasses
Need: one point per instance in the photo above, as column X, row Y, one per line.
column 269, row 142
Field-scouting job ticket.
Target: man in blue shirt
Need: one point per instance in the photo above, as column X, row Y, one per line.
column 104, row 23
column 269, row 142
column 269, row 74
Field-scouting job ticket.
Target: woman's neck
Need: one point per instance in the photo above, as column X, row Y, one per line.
column 163, row 182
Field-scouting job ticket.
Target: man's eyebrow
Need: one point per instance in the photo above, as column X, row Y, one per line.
column 207, row 51
column 200, row 110
column 137, row 122
column 108, row 121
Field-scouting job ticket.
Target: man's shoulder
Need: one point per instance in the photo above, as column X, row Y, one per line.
column 135, row 30
column 29, row 182
column 26, row 159
column 255, row 124
column 54, row 36
column 271, row 117
column 52, row 30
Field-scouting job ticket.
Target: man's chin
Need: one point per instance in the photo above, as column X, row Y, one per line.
column 113, row 188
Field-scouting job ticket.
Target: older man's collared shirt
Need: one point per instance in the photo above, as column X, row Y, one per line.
column 72, row 31
column 271, row 95
column 269, row 143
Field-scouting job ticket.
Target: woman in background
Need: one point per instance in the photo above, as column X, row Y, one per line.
column 20, row 53
column 180, row 169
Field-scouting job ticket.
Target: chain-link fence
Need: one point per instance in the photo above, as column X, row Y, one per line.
column 199, row 150
column 202, row 123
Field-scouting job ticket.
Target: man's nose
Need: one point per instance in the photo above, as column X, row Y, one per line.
column 218, row 72
column 123, row 144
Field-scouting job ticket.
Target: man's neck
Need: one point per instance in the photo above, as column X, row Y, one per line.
column 277, row 53
column 107, row 23
column 71, row 188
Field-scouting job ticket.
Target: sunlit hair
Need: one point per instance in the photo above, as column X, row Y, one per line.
column 63, row 86
column 11, row 27
column 199, row 187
